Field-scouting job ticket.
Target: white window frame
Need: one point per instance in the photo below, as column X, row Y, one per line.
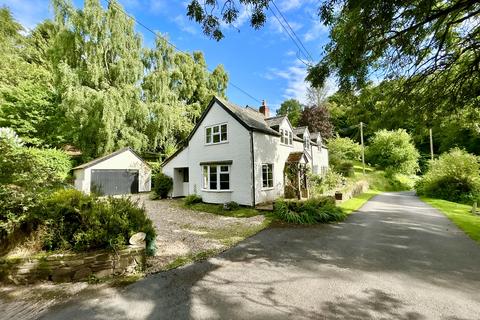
column 206, row 168
column 307, row 143
column 269, row 167
column 219, row 133
column 286, row 137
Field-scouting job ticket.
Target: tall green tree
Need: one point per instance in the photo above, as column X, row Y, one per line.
column 98, row 69
column 168, row 120
column 27, row 95
column 429, row 42
column 292, row 109
column 194, row 84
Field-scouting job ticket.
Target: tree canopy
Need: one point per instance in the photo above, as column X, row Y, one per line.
column 292, row 109
column 86, row 79
column 431, row 42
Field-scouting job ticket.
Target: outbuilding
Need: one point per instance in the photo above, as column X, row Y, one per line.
column 121, row 172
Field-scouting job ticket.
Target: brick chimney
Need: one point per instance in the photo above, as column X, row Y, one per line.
column 264, row 109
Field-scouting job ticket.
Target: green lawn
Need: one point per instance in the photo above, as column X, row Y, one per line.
column 460, row 214
column 242, row 212
column 379, row 180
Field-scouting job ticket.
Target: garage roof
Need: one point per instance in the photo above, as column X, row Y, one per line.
column 108, row 156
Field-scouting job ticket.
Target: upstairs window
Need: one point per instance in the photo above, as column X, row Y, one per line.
column 286, row 137
column 216, row 177
column 216, row 134
column 306, row 143
column 267, row 175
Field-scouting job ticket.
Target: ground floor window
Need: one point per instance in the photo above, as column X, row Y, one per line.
column 216, row 177
column 267, row 175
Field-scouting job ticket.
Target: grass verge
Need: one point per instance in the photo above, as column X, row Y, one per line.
column 460, row 214
column 357, row 202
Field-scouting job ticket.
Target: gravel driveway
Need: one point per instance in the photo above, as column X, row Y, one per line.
column 396, row 259
column 183, row 232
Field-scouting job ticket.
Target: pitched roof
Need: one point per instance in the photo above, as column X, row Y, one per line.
column 247, row 116
column 275, row 121
column 314, row 135
column 294, row 157
column 106, row 157
column 298, row 130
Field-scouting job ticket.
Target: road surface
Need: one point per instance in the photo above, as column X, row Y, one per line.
column 397, row 258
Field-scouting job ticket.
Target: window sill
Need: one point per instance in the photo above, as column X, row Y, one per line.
column 216, row 191
column 215, row 143
column 268, row 189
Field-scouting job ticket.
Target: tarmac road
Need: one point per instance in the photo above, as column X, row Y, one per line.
column 397, row 258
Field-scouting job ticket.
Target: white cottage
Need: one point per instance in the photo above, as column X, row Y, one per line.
column 121, row 172
column 240, row 154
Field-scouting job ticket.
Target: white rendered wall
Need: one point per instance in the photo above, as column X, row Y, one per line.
column 269, row 149
column 236, row 149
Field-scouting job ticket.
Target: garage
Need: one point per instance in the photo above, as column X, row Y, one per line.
column 121, row 172
column 116, row 181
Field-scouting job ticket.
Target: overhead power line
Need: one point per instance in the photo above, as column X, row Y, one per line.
column 293, row 31
column 175, row 47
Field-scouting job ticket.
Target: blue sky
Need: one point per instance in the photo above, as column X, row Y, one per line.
column 262, row 62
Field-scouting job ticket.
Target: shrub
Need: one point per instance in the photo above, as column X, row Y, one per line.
column 329, row 182
column 342, row 149
column 32, row 167
column 345, row 168
column 454, row 176
column 315, row 210
column 81, row 222
column 393, row 151
column 232, row 205
column 192, row 199
column 25, row 176
column 15, row 205
column 162, row 185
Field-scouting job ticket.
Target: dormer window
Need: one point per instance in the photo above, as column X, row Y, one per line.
column 216, row 134
column 286, row 137
column 306, row 143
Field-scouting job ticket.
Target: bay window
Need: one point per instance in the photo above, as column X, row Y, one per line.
column 216, row 177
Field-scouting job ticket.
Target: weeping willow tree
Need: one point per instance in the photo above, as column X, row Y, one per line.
column 168, row 120
column 194, row 84
column 116, row 93
column 98, row 68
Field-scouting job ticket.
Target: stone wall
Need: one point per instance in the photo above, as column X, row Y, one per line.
column 351, row 190
column 73, row 267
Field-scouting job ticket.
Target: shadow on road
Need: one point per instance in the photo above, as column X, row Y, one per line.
column 287, row 272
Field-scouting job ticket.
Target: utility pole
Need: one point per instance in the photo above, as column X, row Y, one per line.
column 363, row 147
column 431, row 143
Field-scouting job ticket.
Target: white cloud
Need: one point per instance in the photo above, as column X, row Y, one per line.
column 290, row 53
column 28, row 13
column 276, row 27
column 287, row 5
column 316, row 30
column 296, row 86
column 184, row 24
column 158, row 6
